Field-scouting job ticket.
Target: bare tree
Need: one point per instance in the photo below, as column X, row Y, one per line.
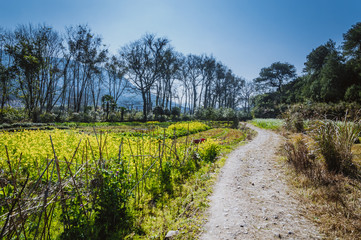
column 116, row 84
column 208, row 71
column 87, row 56
column 193, row 63
column 164, row 86
column 143, row 60
column 247, row 92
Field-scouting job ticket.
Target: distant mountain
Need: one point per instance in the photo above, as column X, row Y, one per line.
column 130, row 98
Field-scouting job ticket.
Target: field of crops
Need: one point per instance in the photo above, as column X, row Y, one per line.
column 271, row 123
column 91, row 182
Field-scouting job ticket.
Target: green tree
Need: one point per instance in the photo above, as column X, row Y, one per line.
column 352, row 42
column 27, row 60
column 6, row 76
column 116, row 84
column 316, row 60
column 318, row 57
column 332, row 79
column 266, row 105
column 122, row 112
column 108, row 104
column 352, row 50
column 276, row 76
column 35, row 57
column 158, row 112
column 327, row 77
column 353, row 93
column 176, row 111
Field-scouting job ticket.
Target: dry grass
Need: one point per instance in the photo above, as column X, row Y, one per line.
column 356, row 150
column 332, row 200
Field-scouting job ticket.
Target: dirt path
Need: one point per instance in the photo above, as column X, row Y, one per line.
column 250, row 199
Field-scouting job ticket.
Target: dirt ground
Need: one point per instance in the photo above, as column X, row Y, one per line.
column 251, row 199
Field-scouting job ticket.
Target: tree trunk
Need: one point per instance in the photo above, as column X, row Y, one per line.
column 144, row 96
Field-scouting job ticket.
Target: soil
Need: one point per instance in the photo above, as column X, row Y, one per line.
column 251, row 199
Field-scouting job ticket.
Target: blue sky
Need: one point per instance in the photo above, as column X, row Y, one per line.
column 246, row 35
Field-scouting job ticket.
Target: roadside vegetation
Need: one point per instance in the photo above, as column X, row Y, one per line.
column 325, row 161
column 269, row 123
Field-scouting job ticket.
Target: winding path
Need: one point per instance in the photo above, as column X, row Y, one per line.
column 251, row 199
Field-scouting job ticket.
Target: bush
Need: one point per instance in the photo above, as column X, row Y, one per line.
column 331, row 111
column 299, row 156
column 61, row 117
column 114, row 117
column 235, row 123
column 139, row 116
column 334, row 140
column 80, row 117
column 176, row 111
column 47, row 117
column 353, row 93
column 293, row 121
column 186, row 117
column 11, row 115
column 244, row 116
column 228, row 114
column 109, row 206
column 209, row 151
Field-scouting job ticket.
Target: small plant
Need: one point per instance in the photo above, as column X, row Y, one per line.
column 166, row 178
column 235, row 123
column 47, row 117
column 209, row 151
column 334, row 140
column 298, row 155
column 301, row 157
column 294, row 121
column 109, row 208
column 112, row 203
column 11, row 115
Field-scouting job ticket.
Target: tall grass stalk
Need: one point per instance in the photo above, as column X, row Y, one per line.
column 334, row 141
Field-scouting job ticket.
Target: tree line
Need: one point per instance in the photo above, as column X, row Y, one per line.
column 332, row 75
column 46, row 71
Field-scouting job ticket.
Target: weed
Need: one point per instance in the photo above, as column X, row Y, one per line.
column 326, row 178
column 209, row 151
column 335, row 140
column 293, row 122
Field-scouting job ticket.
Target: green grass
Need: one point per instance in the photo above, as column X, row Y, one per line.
column 270, row 123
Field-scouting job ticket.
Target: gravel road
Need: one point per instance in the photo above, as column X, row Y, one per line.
column 251, row 199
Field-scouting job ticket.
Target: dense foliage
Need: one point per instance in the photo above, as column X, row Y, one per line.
column 332, row 75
